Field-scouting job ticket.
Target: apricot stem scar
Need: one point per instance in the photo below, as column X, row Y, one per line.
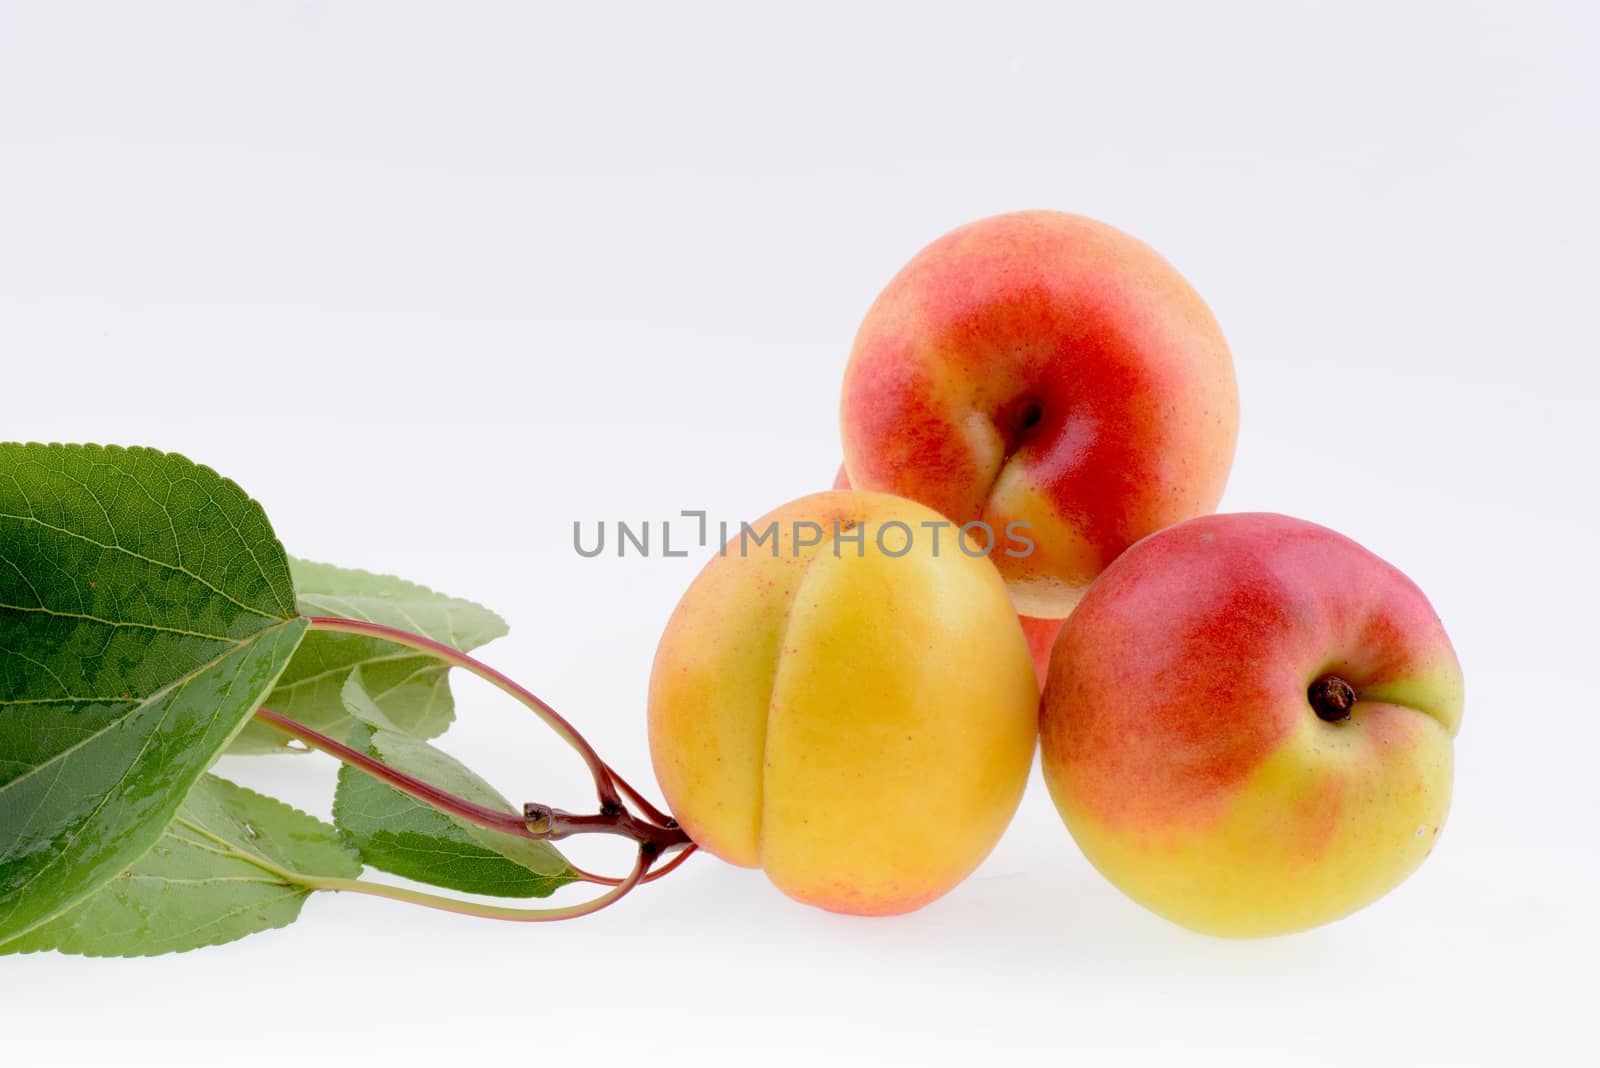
column 1331, row 698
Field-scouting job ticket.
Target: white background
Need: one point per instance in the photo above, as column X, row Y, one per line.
column 433, row 282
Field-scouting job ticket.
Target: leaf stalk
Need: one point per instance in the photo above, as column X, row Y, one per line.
column 460, row 906
column 606, row 782
column 540, row 822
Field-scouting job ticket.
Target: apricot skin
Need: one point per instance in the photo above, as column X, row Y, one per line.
column 858, row 726
column 1041, row 633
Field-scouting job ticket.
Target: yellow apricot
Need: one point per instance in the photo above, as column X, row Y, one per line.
column 849, row 704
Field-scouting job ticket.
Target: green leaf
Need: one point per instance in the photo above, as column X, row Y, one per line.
column 231, row 863
column 411, row 688
column 145, row 609
column 408, row 838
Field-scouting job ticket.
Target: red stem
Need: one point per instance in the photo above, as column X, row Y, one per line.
column 425, row 792
column 560, row 824
column 604, row 781
column 650, row 811
column 607, row 880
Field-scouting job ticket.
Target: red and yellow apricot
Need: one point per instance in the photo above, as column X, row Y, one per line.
column 1043, row 369
column 859, row 724
column 1248, row 724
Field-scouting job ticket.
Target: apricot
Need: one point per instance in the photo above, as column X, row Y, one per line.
column 1248, row 724
column 850, row 706
column 1046, row 370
